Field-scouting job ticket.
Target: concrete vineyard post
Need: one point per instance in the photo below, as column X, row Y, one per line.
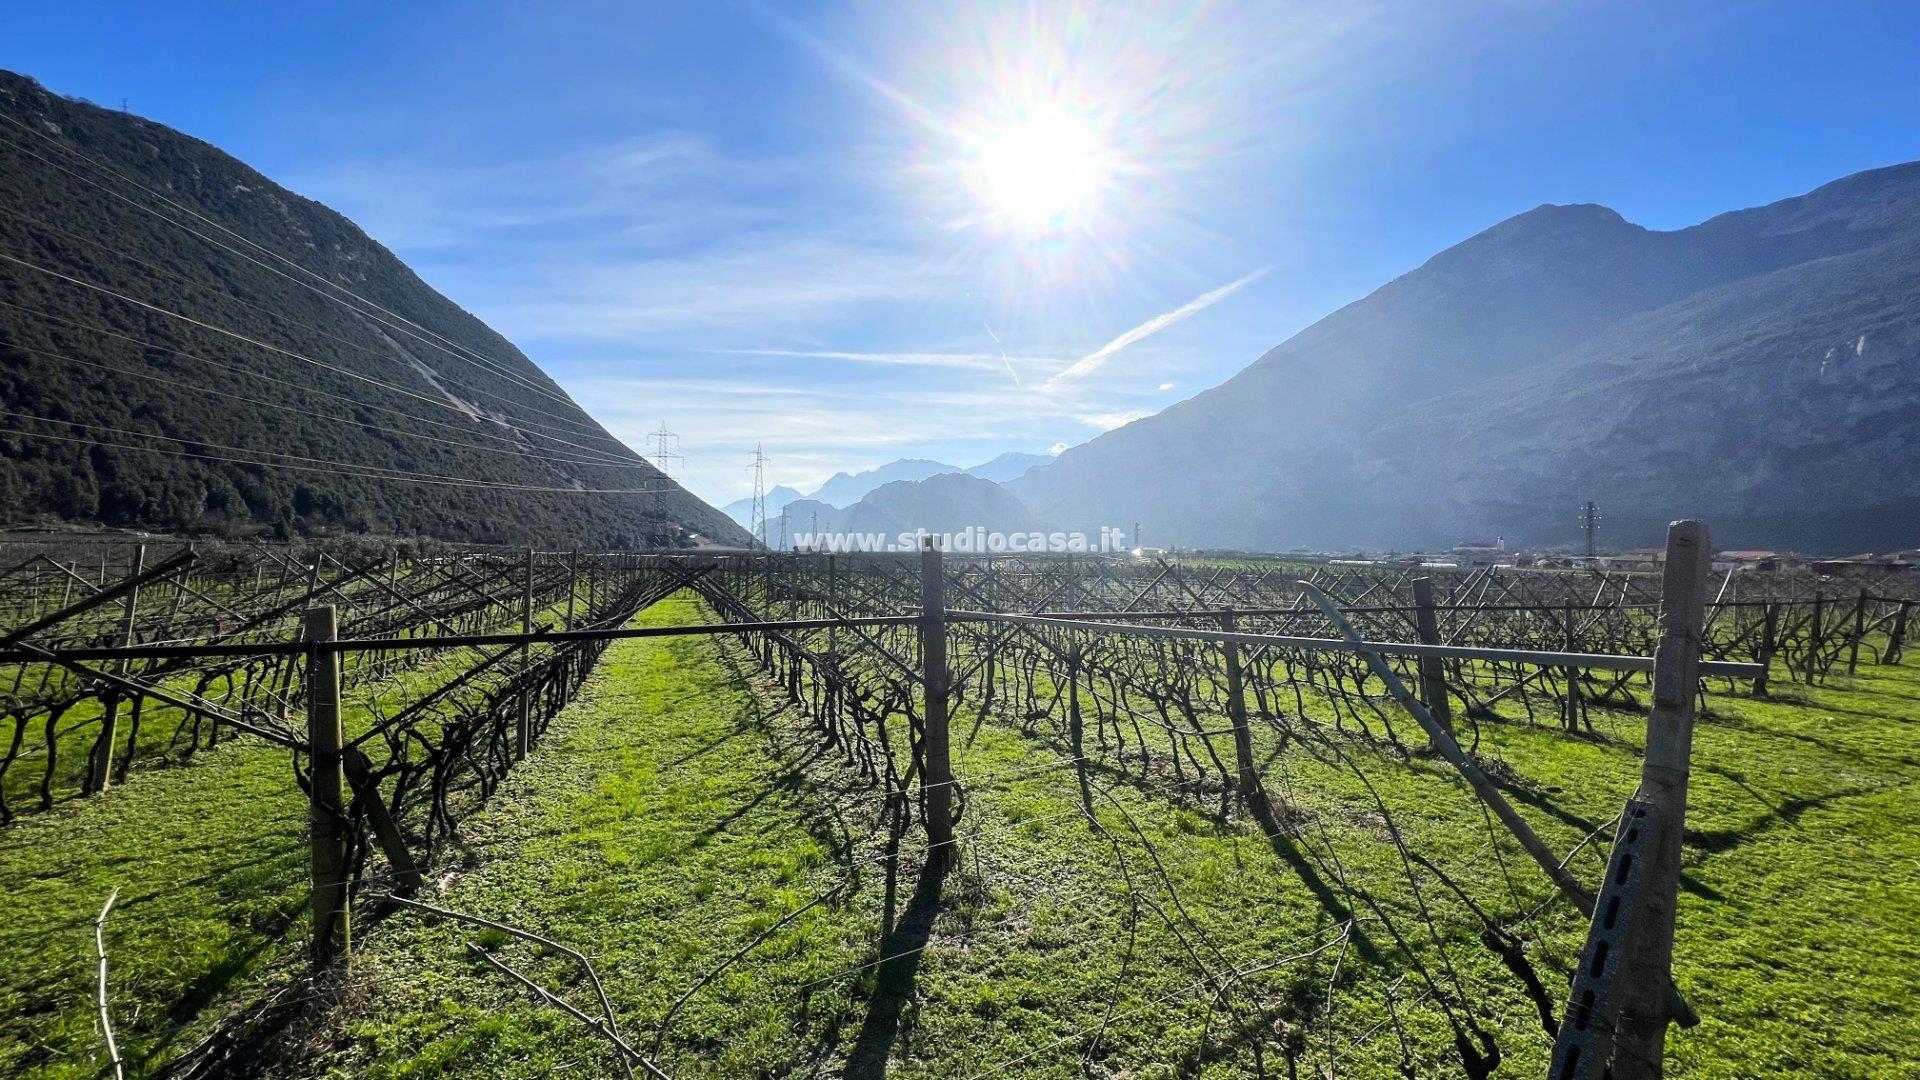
column 937, row 777
column 1645, row 1002
column 326, row 807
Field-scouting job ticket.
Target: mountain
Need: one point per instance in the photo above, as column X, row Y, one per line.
column 1008, row 466
column 778, row 496
column 187, row 346
column 1741, row 370
column 943, row 503
column 844, row 490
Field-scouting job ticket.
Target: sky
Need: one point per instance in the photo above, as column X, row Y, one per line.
column 855, row 232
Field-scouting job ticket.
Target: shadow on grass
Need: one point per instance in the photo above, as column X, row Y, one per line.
column 900, row 953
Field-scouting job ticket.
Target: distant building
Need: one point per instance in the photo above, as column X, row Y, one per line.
column 1863, row 565
column 1747, row 560
column 1480, row 552
column 1635, row 560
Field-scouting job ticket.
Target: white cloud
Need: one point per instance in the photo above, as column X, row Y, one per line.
column 1096, row 359
column 1166, row 386
column 777, row 283
column 966, row 361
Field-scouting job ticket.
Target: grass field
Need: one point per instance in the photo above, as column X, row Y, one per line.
column 674, row 815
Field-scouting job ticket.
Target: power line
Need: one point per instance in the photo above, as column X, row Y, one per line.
column 322, row 464
column 449, row 346
column 357, row 402
column 357, row 376
column 256, row 342
column 190, row 283
column 544, row 458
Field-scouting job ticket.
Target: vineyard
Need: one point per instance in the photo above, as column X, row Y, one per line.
column 298, row 810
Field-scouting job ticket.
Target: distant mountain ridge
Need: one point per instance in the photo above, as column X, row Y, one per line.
column 187, row 346
column 845, row 490
column 944, row 503
column 1011, row 465
column 1742, row 370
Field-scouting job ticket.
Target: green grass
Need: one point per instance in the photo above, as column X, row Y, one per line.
column 210, row 859
column 671, row 815
column 209, row 851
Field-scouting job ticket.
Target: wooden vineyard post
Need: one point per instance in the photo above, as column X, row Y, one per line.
column 1077, row 728
column 1571, row 675
column 1859, row 631
column 1623, row 996
column 1813, row 636
column 1769, row 635
column 573, row 583
column 1897, row 641
column 523, row 723
column 1248, row 782
column 833, row 605
column 326, row 807
column 1433, row 670
column 936, row 784
column 99, row 769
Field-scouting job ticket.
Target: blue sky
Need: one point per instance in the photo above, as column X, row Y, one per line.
column 814, row 225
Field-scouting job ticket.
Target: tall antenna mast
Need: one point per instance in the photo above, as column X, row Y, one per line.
column 1590, row 524
column 758, row 525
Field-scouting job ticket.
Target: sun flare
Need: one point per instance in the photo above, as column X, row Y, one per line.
column 1042, row 169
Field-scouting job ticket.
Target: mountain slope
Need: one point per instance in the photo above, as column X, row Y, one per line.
column 1008, row 466
column 778, row 496
column 185, row 345
column 1561, row 355
column 948, row 502
column 843, row 490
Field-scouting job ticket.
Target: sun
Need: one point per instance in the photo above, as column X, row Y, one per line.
column 1041, row 169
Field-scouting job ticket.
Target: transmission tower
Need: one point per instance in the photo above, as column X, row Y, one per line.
column 665, row 447
column 1590, row 524
column 758, row 525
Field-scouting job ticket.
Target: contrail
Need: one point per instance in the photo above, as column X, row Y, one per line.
column 1003, row 357
column 1093, row 361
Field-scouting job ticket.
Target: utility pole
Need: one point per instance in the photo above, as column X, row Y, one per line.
column 758, row 523
column 1590, row 524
